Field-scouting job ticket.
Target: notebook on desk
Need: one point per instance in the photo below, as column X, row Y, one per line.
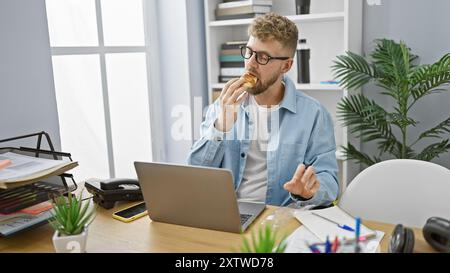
column 315, row 221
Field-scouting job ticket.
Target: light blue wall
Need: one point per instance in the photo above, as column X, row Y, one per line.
column 424, row 26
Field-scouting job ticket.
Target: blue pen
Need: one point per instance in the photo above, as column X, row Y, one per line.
column 339, row 225
column 314, row 249
column 327, row 246
column 358, row 227
column 357, row 232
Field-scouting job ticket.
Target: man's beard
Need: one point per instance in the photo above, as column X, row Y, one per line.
column 261, row 87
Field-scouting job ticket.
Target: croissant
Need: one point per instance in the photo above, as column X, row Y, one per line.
column 250, row 80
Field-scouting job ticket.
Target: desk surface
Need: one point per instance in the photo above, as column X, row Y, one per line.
column 109, row 235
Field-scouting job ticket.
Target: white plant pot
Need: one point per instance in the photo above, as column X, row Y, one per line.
column 70, row 244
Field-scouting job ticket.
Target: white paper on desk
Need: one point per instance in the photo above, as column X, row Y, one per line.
column 298, row 242
column 23, row 166
column 323, row 228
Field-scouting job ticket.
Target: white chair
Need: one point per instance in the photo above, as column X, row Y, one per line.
column 399, row 191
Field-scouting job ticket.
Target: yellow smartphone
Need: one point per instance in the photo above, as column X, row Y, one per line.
column 131, row 213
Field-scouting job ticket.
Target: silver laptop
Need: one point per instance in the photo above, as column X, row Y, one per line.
column 194, row 196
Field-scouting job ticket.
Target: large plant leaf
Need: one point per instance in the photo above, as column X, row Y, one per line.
column 393, row 61
column 369, row 121
column 427, row 79
column 401, row 121
column 436, row 131
column 365, row 118
column 353, row 70
column 390, row 145
column 351, row 153
column 434, row 150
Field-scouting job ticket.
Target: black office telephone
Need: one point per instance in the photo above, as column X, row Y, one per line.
column 107, row 192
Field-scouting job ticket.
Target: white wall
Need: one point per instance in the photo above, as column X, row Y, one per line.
column 424, row 26
column 182, row 66
column 27, row 95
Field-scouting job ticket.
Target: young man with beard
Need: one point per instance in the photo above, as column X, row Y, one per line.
column 278, row 142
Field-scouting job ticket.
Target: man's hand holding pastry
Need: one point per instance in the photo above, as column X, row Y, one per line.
column 231, row 97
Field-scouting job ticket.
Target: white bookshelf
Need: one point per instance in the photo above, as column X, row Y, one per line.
column 313, row 86
column 307, row 18
column 331, row 28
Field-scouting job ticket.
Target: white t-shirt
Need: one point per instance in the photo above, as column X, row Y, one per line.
column 253, row 187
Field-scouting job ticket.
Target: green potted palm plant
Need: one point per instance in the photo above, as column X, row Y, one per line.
column 394, row 68
column 70, row 221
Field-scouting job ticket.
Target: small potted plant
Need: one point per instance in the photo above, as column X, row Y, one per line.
column 70, row 221
column 265, row 243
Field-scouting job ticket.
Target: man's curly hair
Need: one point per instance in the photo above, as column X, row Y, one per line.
column 272, row 26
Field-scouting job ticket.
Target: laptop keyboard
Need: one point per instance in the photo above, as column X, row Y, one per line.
column 244, row 218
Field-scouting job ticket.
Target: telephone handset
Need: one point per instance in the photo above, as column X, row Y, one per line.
column 118, row 183
column 107, row 192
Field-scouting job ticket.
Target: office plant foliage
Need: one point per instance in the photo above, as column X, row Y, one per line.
column 392, row 67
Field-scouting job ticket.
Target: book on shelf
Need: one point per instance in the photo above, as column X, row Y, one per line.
column 233, row 45
column 231, row 58
column 232, row 71
column 233, row 4
column 243, row 10
column 238, row 16
column 232, row 64
column 230, row 52
column 27, row 169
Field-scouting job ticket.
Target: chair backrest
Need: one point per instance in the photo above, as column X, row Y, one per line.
column 399, row 191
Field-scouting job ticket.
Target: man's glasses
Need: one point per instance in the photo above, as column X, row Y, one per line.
column 261, row 58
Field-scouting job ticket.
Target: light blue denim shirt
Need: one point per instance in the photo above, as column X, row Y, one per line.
column 303, row 134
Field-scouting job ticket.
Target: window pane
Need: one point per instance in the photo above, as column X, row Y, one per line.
column 123, row 23
column 81, row 115
column 72, row 22
column 129, row 107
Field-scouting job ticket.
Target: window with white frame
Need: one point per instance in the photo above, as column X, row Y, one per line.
column 100, row 68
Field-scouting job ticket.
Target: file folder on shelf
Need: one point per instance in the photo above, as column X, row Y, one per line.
column 17, row 195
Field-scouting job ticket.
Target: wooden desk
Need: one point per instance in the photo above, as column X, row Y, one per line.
column 109, row 235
